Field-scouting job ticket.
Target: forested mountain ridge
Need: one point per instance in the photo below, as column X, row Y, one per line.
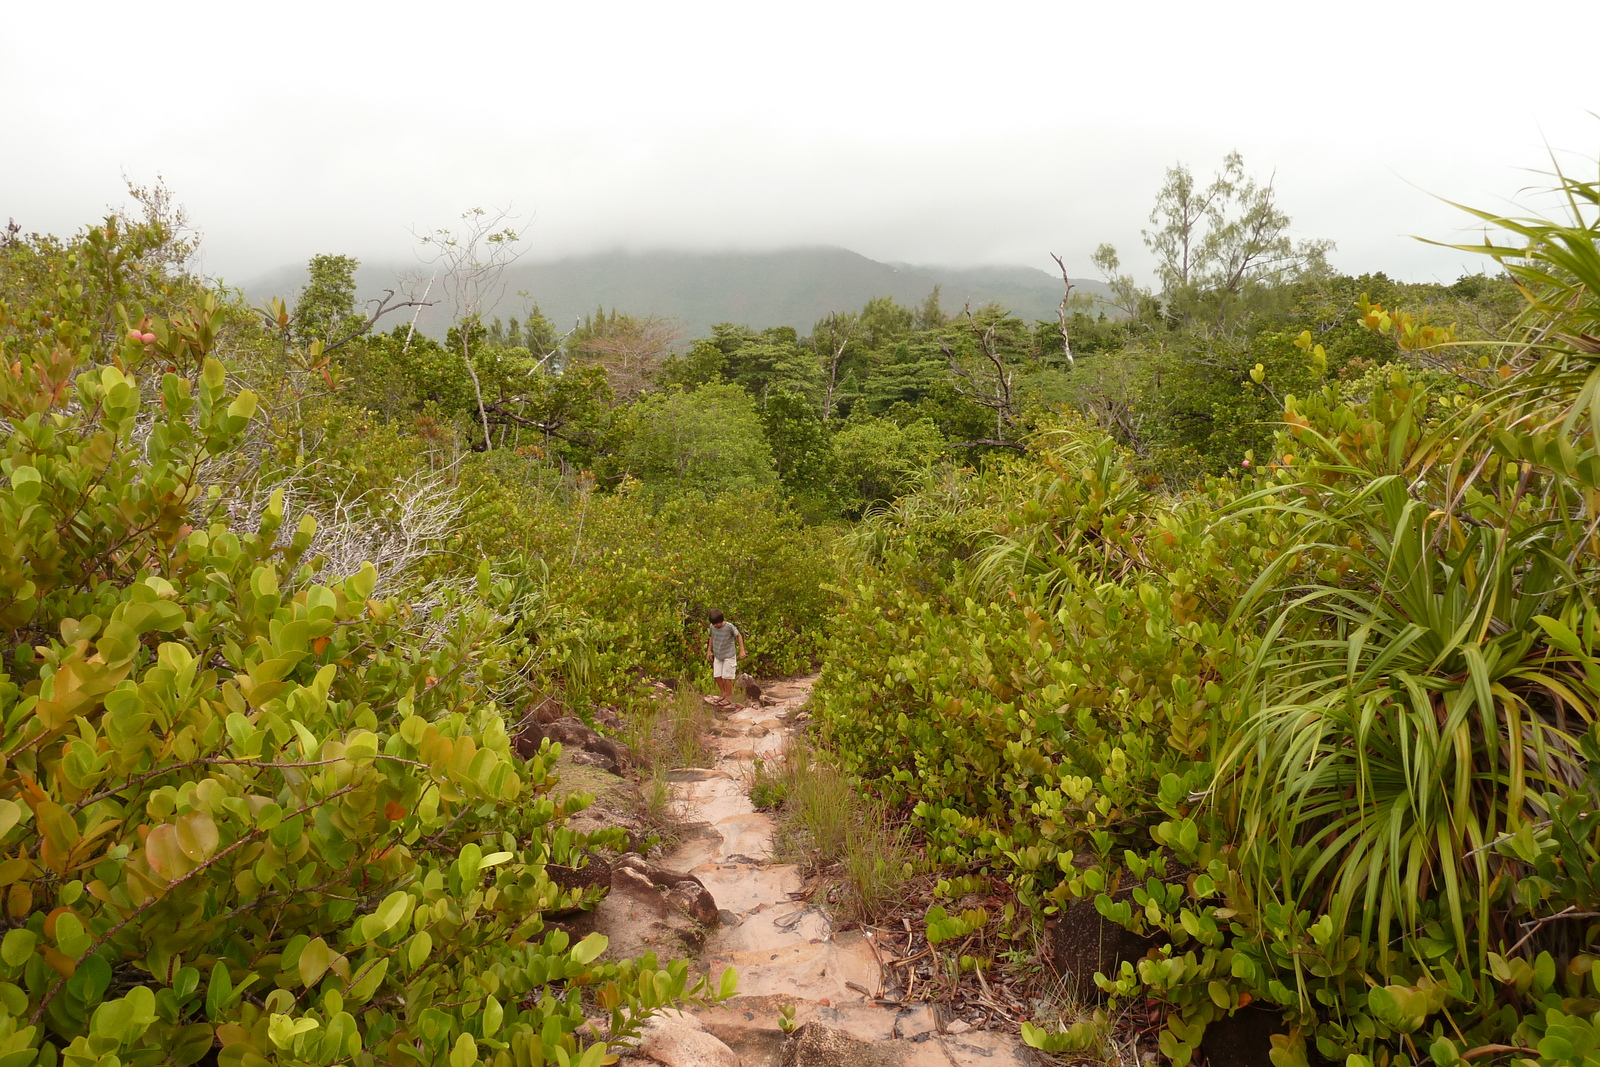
column 789, row 287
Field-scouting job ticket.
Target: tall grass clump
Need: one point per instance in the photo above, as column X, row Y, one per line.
column 670, row 732
column 666, row 733
column 833, row 828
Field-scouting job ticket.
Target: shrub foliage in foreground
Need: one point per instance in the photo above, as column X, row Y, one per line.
column 1324, row 732
column 244, row 808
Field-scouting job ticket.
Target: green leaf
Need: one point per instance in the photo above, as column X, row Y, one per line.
column 359, row 586
column 148, row 616
column 395, row 908
column 308, row 740
column 213, row 373
column 127, row 1018
column 366, row 982
column 412, row 729
column 417, row 951
column 71, row 938
column 465, row 1052
column 219, row 991
column 314, row 960
column 17, row 946
column 243, row 406
column 589, row 948
column 197, row 836
column 1560, row 635
column 10, row 815
column 282, row 1029
column 26, row 484
column 1401, row 1007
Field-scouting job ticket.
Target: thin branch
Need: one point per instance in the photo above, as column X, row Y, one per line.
column 988, row 442
column 208, row 761
column 412, row 330
column 385, row 305
column 1533, row 926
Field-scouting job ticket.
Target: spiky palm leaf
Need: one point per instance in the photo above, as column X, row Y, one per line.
column 1405, row 716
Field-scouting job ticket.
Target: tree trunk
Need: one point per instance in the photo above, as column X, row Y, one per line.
column 477, row 391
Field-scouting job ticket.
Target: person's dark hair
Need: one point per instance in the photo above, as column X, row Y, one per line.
column 716, row 616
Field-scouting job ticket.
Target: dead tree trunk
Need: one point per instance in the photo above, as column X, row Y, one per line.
column 1061, row 312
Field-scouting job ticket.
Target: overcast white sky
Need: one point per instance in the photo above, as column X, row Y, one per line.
column 928, row 132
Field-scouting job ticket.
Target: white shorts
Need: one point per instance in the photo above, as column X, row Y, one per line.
column 725, row 668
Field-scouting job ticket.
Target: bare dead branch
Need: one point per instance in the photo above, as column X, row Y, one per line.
column 474, row 259
column 994, row 392
column 384, row 305
column 502, row 411
column 1061, row 312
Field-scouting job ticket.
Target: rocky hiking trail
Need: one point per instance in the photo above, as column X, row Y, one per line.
column 719, row 896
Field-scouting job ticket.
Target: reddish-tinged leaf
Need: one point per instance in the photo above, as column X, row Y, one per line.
column 197, row 836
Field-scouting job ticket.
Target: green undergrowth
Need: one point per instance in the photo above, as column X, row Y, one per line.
column 626, row 579
column 1323, row 730
column 254, row 808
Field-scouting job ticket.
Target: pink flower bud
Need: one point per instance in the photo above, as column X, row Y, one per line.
column 148, row 338
column 135, row 335
column 1246, row 463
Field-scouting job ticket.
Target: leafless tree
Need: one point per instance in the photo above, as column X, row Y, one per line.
column 832, row 336
column 630, row 349
column 1061, row 312
column 473, row 259
column 987, row 384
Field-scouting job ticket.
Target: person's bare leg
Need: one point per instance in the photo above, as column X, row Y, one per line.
column 726, row 686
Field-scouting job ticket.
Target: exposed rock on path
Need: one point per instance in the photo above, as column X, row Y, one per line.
column 787, row 953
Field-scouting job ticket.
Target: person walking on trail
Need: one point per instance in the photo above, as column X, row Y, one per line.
column 723, row 649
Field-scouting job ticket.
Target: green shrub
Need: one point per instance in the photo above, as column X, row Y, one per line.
column 246, row 806
column 1319, row 729
column 710, row 440
column 629, row 578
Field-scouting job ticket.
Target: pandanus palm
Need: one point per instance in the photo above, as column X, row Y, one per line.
column 1556, row 382
column 1422, row 700
column 1419, row 713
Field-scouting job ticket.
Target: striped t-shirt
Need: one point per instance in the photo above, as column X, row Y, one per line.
column 725, row 641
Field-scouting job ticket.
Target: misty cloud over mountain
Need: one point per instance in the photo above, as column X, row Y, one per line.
column 791, row 287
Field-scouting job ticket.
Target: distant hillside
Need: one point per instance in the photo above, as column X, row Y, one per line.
column 794, row 287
